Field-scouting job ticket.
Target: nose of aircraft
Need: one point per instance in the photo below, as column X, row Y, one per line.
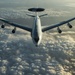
column 36, row 39
column 36, row 45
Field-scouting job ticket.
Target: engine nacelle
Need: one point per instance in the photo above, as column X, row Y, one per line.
column 69, row 25
column 2, row 26
column 59, row 30
column 13, row 31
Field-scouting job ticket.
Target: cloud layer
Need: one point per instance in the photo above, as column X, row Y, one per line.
column 19, row 56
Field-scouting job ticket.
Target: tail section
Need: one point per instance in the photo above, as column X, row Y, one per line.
column 36, row 10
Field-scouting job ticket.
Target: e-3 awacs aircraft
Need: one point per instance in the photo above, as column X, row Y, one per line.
column 37, row 29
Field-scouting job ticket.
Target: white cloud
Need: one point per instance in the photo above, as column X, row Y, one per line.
column 23, row 56
column 53, row 12
column 71, row 5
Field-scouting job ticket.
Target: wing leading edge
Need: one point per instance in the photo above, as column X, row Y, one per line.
column 57, row 25
column 16, row 25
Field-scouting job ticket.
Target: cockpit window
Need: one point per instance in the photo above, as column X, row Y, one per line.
column 36, row 39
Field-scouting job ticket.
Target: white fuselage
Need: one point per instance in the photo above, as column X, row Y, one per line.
column 36, row 31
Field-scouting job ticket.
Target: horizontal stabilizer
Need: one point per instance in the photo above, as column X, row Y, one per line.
column 30, row 15
column 42, row 15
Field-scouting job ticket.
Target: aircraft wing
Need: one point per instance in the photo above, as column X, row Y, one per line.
column 16, row 25
column 57, row 25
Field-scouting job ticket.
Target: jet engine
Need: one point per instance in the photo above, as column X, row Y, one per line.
column 59, row 30
column 2, row 26
column 69, row 25
column 13, row 31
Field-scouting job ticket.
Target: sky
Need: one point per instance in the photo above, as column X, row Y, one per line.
column 34, row 3
column 53, row 7
column 70, row 3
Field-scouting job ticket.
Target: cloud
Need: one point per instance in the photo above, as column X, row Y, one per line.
column 19, row 56
column 13, row 13
column 71, row 5
column 21, row 12
column 54, row 12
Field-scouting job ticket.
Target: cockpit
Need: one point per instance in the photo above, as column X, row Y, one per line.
column 36, row 39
